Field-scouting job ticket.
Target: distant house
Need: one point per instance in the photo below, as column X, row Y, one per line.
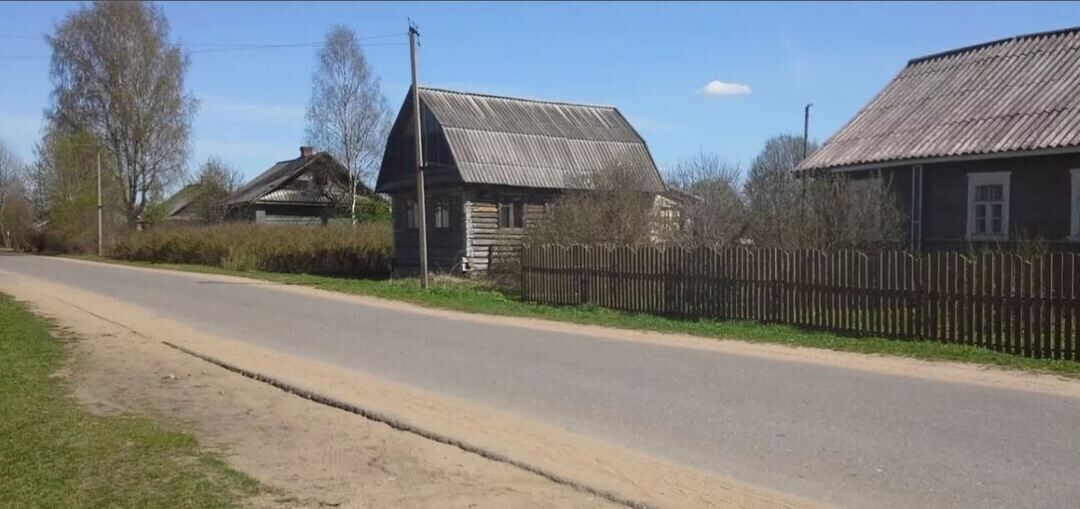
column 491, row 166
column 178, row 207
column 307, row 190
column 981, row 144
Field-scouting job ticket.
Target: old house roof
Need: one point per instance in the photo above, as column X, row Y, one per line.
column 181, row 199
column 531, row 143
column 1010, row 95
column 268, row 186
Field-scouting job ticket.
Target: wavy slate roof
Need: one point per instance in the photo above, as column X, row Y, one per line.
column 265, row 187
column 530, row 143
column 1016, row 94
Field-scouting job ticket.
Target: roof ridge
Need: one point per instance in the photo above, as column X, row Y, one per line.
column 973, row 47
column 520, row 99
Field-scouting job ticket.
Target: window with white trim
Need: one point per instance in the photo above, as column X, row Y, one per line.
column 988, row 205
column 1074, row 223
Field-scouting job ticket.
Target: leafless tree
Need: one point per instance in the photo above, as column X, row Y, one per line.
column 817, row 211
column 215, row 181
column 608, row 209
column 348, row 115
column 117, row 77
column 12, row 192
column 11, row 170
column 773, row 193
column 713, row 210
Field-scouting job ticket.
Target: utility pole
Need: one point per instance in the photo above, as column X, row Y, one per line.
column 422, row 208
column 806, row 129
column 100, row 250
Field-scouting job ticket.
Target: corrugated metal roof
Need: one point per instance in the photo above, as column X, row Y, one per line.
column 530, row 143
column 1016, row 94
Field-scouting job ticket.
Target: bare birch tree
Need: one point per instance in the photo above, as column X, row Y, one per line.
column 117, row 77
column 348, row 115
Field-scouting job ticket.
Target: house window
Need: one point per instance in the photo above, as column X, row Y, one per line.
column 1075, row 201
column 442, row 213
column 988, row 205
column 511, row 215
column 412, row 219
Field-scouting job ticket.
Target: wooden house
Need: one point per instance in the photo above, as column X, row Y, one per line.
column 491, row 165
column 179, row 209
column 981, row 144
column 307, row 190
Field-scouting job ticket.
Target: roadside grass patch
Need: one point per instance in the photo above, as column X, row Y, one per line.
column 56, row 454
column 476, row 297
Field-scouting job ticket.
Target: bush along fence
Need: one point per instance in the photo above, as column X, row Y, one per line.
column 1028, row 306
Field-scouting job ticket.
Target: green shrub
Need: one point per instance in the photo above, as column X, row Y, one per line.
column 340, row 250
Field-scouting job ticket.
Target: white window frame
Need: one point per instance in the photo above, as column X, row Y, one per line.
column 1002, row 178
column 1074, row 205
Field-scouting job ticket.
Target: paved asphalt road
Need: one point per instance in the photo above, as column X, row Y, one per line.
column 846, row 437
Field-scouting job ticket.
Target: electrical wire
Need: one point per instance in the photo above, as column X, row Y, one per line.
column 229, row 47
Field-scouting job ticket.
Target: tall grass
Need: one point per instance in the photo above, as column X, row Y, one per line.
column 339, row 250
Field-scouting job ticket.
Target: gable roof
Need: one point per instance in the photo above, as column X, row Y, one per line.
column 265, row 186
column 1009, row 95
column 181, row 199
column 530, row 143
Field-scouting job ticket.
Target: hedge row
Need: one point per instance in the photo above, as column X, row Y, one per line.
column 340, row 250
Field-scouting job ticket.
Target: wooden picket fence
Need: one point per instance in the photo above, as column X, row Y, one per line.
column 1028, row 306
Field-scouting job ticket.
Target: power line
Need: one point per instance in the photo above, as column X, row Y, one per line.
column 283, row 46
column 228, row 47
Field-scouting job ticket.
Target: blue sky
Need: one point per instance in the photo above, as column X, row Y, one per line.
column 651, row 60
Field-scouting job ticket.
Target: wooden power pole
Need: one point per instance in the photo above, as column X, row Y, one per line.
column 422, row 208
column 806, row 129
column 100, row 250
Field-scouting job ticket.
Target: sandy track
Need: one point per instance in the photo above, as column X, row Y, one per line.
column 315, row 455
column 309, row 455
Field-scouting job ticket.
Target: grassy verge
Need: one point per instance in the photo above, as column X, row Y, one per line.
column 447, row 293
column 55, row 454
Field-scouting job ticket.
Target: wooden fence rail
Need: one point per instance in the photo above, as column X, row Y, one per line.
column 1028, row 306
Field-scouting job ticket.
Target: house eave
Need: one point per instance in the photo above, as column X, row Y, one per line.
column 894, row 163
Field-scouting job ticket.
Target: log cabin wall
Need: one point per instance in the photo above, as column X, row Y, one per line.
column 482, row 211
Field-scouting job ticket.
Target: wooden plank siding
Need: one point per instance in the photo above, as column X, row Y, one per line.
column 483, row 234
column 1039, row 200
column 1027, row 306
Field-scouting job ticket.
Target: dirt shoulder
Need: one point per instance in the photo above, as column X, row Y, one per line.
column 309, row 455
column 313, row 455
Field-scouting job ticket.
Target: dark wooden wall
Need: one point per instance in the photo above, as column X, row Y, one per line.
column 445, row 247
column 1039, row 204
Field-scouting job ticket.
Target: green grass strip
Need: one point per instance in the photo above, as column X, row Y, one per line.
column 475, row 297
column 55, row 454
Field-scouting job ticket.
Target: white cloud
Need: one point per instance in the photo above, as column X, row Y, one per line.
column 717, row 87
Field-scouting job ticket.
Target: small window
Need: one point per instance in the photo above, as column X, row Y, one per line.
column 988, row 205
column 442, row 213
column 411, row 217
column 511, row 215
